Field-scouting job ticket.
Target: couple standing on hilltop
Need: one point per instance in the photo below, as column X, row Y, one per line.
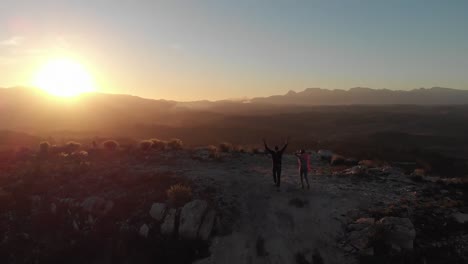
column 277, row 156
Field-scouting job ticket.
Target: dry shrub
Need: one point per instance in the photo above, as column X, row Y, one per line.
column 239, row 149
column 72, row 146
column 145, row 145
column 337, row 160
column 419, row 172
column 44, row 147
column 225, row 147
column 257, row 150
column 368, row 163
column 158, row 144
column 179, row 195
column 110, row 145
column 175, row 144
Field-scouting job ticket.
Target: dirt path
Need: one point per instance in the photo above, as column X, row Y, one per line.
column 287, row 226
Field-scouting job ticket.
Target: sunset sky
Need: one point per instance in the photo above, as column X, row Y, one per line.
column 190, row 50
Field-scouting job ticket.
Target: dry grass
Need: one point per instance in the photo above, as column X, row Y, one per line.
column 179, row 195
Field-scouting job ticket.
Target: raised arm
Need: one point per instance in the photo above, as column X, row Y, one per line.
column 266, row 146
column 285, row 145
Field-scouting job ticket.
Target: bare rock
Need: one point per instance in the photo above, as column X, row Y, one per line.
column 168, row 226
column 207, row 225
column 398, row 232
column 191, row 217
column 362, row 231
column 360, row 239
column 460, row 218
column 157, row 211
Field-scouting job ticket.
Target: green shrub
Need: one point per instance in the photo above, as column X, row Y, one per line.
column 175, row 144
column 146, row 145
column 44, row 147
column 110, row 145
column 158, row 144
column 179, row 195
column 225, row 147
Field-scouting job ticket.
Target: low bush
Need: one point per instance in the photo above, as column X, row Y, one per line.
column 179, row 195
column 110, row 145
column 158, row 144
column 225, row 147
column 72, row 146
column 175, row 144
column 44, row 147
column 145, row 145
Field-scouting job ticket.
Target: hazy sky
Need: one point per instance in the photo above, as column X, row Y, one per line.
column 191, row 49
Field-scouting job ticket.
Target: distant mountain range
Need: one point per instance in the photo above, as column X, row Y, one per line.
column 367, row 96
column 27, row 109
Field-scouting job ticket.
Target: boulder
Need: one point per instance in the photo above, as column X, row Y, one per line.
column 168, row 226
column 157, row 211
column 144, row 230
column 460, row 218
column 398, row 232
column 207, row 225
column 191, row 217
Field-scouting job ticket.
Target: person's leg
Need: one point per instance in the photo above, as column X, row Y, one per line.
column 301, row 172
column 306, row 179
column 278, row 176
column 274, row 174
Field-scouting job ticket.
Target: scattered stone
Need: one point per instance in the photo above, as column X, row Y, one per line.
column 168, row 226
column 144, row 230
column 207, row 225
column 191, row 217
column 157, row 211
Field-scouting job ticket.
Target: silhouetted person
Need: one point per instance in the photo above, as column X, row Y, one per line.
column 276, row 156
column 304, row 166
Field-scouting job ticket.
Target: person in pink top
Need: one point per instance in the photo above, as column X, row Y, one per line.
column 304, row 166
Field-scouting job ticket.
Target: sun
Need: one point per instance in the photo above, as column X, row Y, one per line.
column 64, row 77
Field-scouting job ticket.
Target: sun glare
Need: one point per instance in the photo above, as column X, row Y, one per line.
column 64, row 78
